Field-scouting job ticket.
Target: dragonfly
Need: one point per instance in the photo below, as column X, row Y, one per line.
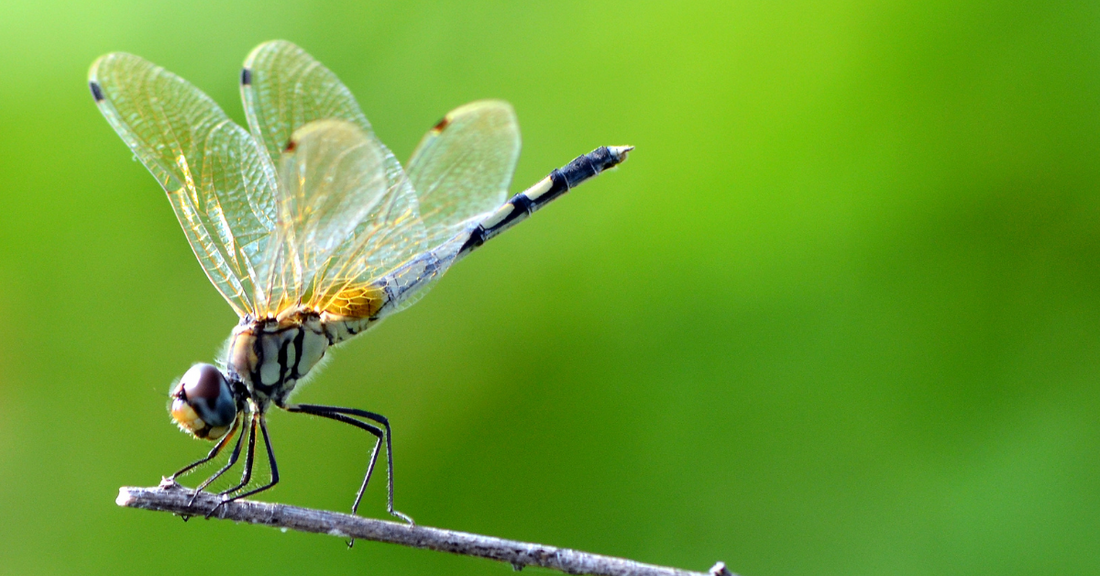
column 310, row 228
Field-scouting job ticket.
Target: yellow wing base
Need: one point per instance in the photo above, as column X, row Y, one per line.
column 356, row 302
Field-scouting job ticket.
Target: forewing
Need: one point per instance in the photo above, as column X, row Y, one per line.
column 344, row 220
column 284, row 88
column 463, row 166
column 218, row 180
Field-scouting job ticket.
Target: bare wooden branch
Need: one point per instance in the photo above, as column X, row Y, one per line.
column 171, row 497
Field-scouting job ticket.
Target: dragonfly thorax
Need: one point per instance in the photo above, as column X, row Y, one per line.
column 270, row 356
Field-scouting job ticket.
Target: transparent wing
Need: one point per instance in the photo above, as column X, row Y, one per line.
column 463, row 166
column 218, row 180
column 342, row 220
column 284, row 88
column 461, row 171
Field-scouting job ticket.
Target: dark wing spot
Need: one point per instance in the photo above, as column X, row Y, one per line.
column 291, row 146
column 439, row 126
column 246, row 77
column 97, row 93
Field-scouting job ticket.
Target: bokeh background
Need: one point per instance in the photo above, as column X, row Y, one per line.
column 838, row 314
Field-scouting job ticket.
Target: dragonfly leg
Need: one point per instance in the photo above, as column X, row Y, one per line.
column 213, row 452
column 232, row 460
column 249, row 461
column 345, row 415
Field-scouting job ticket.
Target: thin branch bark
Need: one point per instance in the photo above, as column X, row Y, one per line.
column 171, row 497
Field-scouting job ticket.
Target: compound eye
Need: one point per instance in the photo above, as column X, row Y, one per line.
column 203, row 381
column 202, row 402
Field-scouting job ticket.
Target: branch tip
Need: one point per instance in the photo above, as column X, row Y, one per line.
column 720, row 569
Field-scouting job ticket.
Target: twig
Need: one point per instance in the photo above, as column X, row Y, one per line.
column 171, row 497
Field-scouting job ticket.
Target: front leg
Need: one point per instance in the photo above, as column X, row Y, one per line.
column 233, row 457
column 249, row 460
column 270, row 460
column 213, row 452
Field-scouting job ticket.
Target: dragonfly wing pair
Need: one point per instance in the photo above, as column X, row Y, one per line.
column 306, row 206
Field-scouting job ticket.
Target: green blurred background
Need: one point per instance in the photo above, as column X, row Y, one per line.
column 839, row 314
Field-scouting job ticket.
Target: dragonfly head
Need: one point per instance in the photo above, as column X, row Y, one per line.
column 202, row 403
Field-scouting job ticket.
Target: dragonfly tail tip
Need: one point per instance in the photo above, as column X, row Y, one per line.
column 620, row 151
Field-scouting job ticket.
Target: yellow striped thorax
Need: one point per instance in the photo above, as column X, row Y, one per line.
column 270, row 356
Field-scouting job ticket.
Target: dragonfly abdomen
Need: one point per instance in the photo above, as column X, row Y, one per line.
column 560, row 181
column 340, row 328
